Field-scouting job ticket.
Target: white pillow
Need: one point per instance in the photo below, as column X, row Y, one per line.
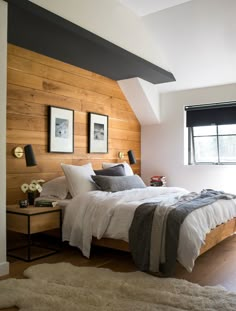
column 55, row 188
column 79, row 178
column 128, row 169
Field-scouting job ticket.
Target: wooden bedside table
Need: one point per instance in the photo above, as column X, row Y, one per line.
column 33, row 220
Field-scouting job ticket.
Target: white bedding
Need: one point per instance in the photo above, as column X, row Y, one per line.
column 105, row 214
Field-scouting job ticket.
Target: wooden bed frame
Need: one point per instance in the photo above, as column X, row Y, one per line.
column 214, row 237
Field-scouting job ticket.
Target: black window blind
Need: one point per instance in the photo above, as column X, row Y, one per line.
column 203, row 115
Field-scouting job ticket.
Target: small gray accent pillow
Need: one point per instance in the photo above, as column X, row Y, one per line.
column 118, row 183
column 117, row 170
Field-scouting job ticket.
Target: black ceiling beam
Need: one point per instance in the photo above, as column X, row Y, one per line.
column 34, row 28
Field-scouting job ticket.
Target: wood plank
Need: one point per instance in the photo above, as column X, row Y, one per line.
column 54, row 87
column 120, row 104
column 217, row 235
column 123, row 145
column 17, row 122
column 34, row 68
column 29, row 95
column 96, row 107
column 26, row 137
column 42, row 59
column 16, row 106
column 123, row 115
column 130, row 125
column 124, row 134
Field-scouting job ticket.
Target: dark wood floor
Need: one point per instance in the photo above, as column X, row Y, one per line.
column 215, row 267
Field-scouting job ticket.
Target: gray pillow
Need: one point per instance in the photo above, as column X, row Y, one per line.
column 118, row 183
column 117, row 170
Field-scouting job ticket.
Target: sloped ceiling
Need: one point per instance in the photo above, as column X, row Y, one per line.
column 194, row 40
column 142, row 8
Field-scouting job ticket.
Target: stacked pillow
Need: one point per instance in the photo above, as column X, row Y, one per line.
column 79, row 179
column 117, row 170
column 127, row 167
column 118, row 183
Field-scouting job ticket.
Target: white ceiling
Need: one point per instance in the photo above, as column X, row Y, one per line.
column 198, row 42
column 195, row 40
column 145, row 7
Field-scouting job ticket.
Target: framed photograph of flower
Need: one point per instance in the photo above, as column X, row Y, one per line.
column 98, row 133
column 61, row 130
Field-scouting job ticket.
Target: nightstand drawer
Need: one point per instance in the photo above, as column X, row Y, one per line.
column 17, row 223
column 44, row 222
column 29, row 224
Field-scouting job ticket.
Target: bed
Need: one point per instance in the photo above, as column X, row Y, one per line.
column 104, row 217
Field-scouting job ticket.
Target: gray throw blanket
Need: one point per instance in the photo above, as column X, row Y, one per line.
column 154, row 232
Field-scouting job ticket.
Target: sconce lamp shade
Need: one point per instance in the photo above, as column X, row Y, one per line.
column 29, row 156
column 131, row 157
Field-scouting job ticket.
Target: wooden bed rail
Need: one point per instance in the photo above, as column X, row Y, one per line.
column 214, row 237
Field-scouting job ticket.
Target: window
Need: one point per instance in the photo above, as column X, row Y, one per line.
column 213, row 144
column 212, row 133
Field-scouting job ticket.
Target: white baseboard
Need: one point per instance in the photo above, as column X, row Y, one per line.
column 4, row 268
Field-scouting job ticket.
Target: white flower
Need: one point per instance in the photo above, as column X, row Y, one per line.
column 33, row 186
column 40, row 181
column 34, row 182
column 24, row 187
column 39, row 188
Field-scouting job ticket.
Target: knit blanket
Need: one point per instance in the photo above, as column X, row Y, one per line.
column 154, row 232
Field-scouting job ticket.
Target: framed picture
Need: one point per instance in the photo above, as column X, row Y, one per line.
column 61, row 130
column 98, row 133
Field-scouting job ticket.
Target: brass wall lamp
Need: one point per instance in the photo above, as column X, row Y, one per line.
column 121, row 155
column 29, row 154
column 131, row 156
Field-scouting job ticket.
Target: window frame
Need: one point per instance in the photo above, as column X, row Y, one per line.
column 191, row 148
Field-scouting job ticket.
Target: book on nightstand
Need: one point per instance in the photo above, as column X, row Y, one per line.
column 45, row 203
column 158, row 181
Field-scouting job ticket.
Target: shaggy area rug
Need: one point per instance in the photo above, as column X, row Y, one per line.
column 63, row 286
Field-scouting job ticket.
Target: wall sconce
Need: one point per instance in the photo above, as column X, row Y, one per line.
column 121, row 155
column 131, row 156
column 132, row 159
column 29, row 154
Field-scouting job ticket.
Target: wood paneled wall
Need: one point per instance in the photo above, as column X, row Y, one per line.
column 35, row 82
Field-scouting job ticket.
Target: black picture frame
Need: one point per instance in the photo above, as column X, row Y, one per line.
column 60, row 130
column 97, row 133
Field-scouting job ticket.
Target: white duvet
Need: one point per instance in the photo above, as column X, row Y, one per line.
column 105, row 214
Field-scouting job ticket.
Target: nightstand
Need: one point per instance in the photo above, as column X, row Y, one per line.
column 29, row 221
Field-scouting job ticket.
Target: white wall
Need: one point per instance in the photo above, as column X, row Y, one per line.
column 163, row 144
column 143, row 98
column 4, row 266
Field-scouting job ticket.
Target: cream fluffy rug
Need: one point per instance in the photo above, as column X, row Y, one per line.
column 63, row 286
